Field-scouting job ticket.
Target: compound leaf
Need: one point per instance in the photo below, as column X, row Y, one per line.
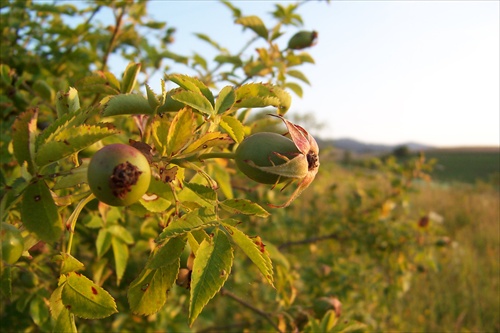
column 194, row 220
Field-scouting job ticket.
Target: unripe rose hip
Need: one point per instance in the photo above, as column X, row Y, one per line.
column 119, row 175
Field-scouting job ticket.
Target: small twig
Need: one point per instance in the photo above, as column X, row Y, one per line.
column 113, row 38
column 258, row 311
column 308, row 241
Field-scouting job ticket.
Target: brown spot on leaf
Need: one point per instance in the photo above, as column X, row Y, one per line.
column 94, row 291
column 37, row 198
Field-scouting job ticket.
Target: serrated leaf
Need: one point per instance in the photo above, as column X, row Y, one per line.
column 120, row 254
column 156, row 204
column 254, row 23
column 71, row 140
column 254, row 95
column 208, row 140
column 67, row 102
column 243, row 206
column 69, row 263
column 148, row 292
column 100, row 83
column 127, row 104
column 152, row 99
column 56, row 305
column 204, row 192
column 192, row 84
column 129, row 77
column 195, row 100
column 194, row 220
column 65, row 322
column 211, row 268
column 160, row 128
column 226, row 99
column 167, row 253
column 67, row 120
column 233, row 127
column 85, row 299
column 39, row 212
column 298, row 75
column 297, row 89
column 180, row 131
column 255, row 250
column 24, row 136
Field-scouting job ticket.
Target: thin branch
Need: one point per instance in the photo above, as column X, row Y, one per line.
column 258, row 311
column 308, row 241
column 113, row 38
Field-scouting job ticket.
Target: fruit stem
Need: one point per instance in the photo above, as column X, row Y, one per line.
column 74, row 217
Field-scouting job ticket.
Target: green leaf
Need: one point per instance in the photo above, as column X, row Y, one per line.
column 255, row 250
column 204, row 192
column 129, row 77
column 120, row 254
column 122, row 233
column 68, row 263
column 208, row 40
column 160, row 128
column 127, row 104
column 65, row 323
column 74, row 177
column 152, row 99
column 243, row 206
column 167, row 253
column 254, row 23
column 180, row 131
column 67, row 102
column 148, row 292
column 229, row 59
column 194, row 220
column 233, row 127
column 24, row 136
column 44, row 90
column 297, row 89
column 103, row 242
column 208, row 140
column 71, row 140
column 299, row 75
column 226, row 99
column 76, row 118
column 85, row 299
column 211, row 268
column 39, row 212
column 100, row 83
column 156, row 204
column 6, row 282
column 195, row 100
column 254, row 95
column 192, row 84
column 64, row 319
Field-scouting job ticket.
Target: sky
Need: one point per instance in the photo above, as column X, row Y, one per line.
column 386, row 72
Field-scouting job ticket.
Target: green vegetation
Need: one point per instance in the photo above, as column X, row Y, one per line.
column 466, row 164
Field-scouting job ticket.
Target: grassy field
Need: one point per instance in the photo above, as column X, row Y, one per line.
column 466, row 164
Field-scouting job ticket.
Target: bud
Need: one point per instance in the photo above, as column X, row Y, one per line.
column 270, row 158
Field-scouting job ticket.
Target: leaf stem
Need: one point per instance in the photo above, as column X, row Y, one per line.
column 217, row 155
column 74, row 217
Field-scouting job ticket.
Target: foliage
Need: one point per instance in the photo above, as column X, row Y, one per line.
column 198, row 239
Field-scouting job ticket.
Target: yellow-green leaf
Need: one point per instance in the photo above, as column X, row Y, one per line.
column 194, row 220
column 226, row 99
column 129, row 77
column 195, row 100
column 85, row 299
column 180, row 131
column 24, row 137
column 233, row 127
column 255, row 23
column 127, row 104
column 211, row 268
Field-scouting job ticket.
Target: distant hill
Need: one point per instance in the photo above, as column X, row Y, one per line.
column 359, row 147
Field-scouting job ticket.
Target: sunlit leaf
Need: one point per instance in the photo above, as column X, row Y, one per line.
column 148, row 292
column 254, row 23
column 24, row 136
column 71, row 140
column 243, row 206
column 192, row 84
column 101, row 83
column 67, row 102
column 255, row 250
column 129, row 77
column 299, row 75
column 69, row 263
column 167, row 253
column 180, row 131
column 189, row 222
column 120, row 254
column 195, row 100
column 127, row 104
column 39, row 212
column 225, row 100
column 85, row 299
column 208, row 140
column 211, row 268
column 204, row 192
column 297, row 89
column 233, row 127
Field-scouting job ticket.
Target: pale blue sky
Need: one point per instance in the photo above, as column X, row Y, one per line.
column 385, row 72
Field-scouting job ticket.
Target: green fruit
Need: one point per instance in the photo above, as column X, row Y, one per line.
column 119, row 175
column 260, row 149
column 12, row 243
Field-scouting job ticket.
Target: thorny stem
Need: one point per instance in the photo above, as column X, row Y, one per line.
column 258, row 311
